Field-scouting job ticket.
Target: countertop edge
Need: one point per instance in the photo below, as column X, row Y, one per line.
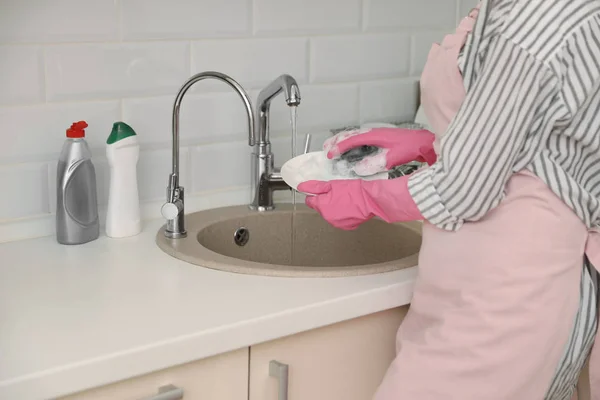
column 73, row 378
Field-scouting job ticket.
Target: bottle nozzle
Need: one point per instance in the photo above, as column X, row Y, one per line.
column 77, row 130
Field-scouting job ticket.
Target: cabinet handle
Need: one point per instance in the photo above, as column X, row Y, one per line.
column 168, row 392
column 280, row 372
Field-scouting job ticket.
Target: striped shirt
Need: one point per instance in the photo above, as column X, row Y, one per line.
column 531, row 69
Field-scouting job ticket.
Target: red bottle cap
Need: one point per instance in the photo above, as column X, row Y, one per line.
column 77, row 130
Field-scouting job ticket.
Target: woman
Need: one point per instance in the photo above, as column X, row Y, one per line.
column 506, row 299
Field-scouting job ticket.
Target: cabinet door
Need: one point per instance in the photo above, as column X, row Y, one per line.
column 222, row 377
column 342, row 361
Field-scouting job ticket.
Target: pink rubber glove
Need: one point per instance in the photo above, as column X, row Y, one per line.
column 346, row 204
column 402, row 145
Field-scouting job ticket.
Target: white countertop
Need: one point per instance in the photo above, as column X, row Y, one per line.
column 73, row 318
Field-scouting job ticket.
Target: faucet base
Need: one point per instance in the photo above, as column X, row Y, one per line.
column 175, row 235
column 264, row 186
column 261, row 208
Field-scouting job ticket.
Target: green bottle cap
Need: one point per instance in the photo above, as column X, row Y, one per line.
column 120, row 131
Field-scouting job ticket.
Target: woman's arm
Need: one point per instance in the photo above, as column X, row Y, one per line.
column 482, row 146
column 510, row 112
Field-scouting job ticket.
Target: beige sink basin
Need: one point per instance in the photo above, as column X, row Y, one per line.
column 236, row 239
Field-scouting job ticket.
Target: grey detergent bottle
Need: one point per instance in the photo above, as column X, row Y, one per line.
column 77, row 219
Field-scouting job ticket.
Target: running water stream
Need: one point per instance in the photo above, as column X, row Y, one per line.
column 293, row 121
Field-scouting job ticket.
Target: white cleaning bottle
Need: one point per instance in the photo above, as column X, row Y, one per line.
column 123, row 151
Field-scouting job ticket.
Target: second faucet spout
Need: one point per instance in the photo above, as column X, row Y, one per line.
column 266, row 179
column 283, row 84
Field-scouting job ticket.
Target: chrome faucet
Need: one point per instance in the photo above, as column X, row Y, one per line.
column 265, row 177
column 173, row 209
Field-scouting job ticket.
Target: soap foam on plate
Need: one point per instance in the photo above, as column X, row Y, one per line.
column 316, row 166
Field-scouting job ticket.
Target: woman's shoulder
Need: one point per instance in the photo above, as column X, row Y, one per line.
column 531, row 17
column 541, row 26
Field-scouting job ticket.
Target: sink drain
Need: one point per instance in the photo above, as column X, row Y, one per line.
column 241, row 236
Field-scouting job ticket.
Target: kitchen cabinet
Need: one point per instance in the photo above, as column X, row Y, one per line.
column 346, row 360
column 222, row 377
column 342, row 361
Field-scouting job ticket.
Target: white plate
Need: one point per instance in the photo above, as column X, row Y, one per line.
column 316, row 166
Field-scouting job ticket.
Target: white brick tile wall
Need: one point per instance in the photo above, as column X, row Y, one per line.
column 43, row 21
column 98, row 71
column 254, row 63
column 203, row 118
column 184, row 19
column 322, row 107
column 306, row 16
column 105, row 60
column 39, row 131
column 466, row 6
column 410, row 13
column 21, row 75
column 391, row 101
column 150, row 117
column 282, row 148
column 220, row 166
column 32, row 199
column 154, row 167
column 51, row 184
column 359, row 57
column 421, row 44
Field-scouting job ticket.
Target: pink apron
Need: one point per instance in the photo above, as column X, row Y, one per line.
column 496, row 303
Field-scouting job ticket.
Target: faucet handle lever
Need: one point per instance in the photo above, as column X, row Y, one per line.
column 173, row 212
column 170, row 211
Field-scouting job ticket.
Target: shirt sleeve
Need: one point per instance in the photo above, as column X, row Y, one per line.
column 482, row 144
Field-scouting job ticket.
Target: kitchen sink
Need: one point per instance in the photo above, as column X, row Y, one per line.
column 292, row 242
column 263, row 238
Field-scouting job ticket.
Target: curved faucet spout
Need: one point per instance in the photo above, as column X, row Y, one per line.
column 284, row 83
column 173, row 210
column 177, row 105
